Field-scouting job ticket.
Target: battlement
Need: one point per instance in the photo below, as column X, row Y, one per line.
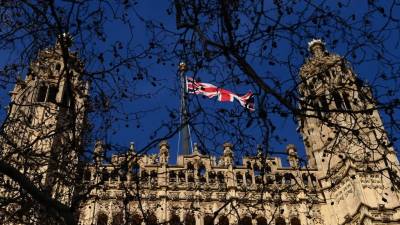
column 199, row 171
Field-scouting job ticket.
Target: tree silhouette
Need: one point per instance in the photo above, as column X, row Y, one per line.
column 258, row 45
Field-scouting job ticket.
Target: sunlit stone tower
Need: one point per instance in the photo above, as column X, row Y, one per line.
column 346, row 142
column 43, row 131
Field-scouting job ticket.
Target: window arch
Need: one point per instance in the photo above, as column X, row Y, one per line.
column 102, row 219
column 182, row 176
column 249, row 179
column 245, row 221
column 151, row 220
column 221, row 177
column 211, row 176
column 189, row 219
column 135, row 219
column 172, row 176
column 118, row 219
column 239, row 178
column 295, row 221
column 261, row 221
column 174, row 219
column 223, row 220
column 208, row 220
column 280, row 221
column 105, row 176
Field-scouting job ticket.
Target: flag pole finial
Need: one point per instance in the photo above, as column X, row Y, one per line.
column 182, row 66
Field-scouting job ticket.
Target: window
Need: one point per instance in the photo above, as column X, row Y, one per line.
column 280, row 221
column 52, row 94
column 249, row 179
column 221, row 177
column 239, row 178
column 182, row 177
column 105, row 175
column 346, row 101
column 152, row 220
column 135, row 219
column 172, row 176
column 295, row 221
column 245, row 221
column 223, row 220
column 102, row 219
column 190, row 220
column 208, row 220
column 41, row 97
column 211, row 177
column 261, row 221
column 174, row 220
column 118, row 219
column 338, row 100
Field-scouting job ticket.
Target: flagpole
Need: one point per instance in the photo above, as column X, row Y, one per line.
column 184, row 111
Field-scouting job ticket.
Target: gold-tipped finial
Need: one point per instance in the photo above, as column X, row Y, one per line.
column 182, row 66
column 315, row 42
column 317, row 47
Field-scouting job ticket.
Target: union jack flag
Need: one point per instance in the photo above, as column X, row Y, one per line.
column 210, row 90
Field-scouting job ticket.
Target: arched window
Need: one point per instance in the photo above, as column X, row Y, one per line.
column 190, row 167
column 239, row 178
column 346, row 99
column 144, row 176
column 135, row 219
column 114, row 175
column 208, row 220
column 102, row 219
column 261, row 221
column 223, row 220
column 172, row 176
column 201, row 172
column 105, row 176
column 153, row 177
column 182, row 177
column 278, row 178
column 151, row 220
column 189, row 219
column 289, row 178
column 211, row 177
column 118, row 219
column 245, row 221
column 295, row 221
column 135, row 171
column 305, row 179
column 221, row 177
column 249, row 179
column 280, row 221
column 174, row 219
column 338, row 100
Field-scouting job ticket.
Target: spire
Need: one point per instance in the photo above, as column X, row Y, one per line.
column 185, row 135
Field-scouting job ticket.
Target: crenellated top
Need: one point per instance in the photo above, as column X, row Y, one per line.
column 204, row 171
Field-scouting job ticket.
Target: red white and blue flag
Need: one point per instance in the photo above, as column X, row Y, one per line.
column 209, row 90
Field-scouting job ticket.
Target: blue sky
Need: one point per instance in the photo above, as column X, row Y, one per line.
column 156, row 97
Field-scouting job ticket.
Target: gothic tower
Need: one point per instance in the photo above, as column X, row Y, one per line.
column 43, row 131
column 346, row 142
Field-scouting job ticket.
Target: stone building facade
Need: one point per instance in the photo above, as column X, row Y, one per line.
column 348, row 178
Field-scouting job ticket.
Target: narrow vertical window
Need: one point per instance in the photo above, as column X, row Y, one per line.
column 41, row 97
column 52, row 94
column 346, row 101
column 338, row 100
